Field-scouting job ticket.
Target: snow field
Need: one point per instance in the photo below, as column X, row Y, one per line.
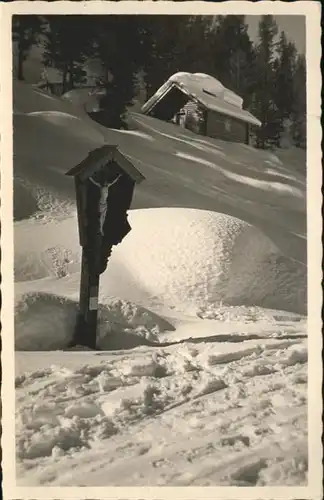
column 202, row 377
column 123, row 411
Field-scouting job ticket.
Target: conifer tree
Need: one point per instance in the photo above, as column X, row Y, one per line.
column 233, row 55
column 299, row 107
column 118, row 46
column 163, row 54
column 263, row 101
column 26, row 30
column 284, row 75
column 192, row 50
column 67, row 45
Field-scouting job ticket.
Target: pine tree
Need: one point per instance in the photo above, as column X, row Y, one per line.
column 263, row 101
column 176, row 43
column 192, row 51
column 67, row 46
column 284, row 74
column 26, row 30
column 299, row 120
column 233, row 55
column 162, row 49
column 118, row 46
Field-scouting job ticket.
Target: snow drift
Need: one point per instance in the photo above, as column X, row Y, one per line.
column 45, row 322
column 29, row 98
column 180, row 257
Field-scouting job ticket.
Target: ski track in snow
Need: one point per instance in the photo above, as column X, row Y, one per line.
column 225, row 414
column 201, row 379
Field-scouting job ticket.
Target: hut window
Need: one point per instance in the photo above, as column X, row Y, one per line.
column 209, row 93
column 228, row 124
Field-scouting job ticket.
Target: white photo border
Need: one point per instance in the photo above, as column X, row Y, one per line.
column 312, row 12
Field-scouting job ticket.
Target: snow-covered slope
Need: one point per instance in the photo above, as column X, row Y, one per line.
column 181, row 168
column 202, row 377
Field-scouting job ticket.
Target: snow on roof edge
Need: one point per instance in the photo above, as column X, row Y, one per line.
column 225, row 108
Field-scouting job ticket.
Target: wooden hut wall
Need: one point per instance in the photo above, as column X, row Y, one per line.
column 225, row 127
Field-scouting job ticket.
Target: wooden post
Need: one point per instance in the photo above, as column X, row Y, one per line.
column 86, row 326
column 85, row 332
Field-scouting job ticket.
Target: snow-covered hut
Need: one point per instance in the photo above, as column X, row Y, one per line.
column 202, row 104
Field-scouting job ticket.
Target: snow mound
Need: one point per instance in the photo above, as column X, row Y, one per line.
column 56, row 124
column 194, row 257
column 29, row 98
column 182, row 258
column 45, row 322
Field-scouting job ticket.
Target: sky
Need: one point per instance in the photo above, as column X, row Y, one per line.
column 294, row 27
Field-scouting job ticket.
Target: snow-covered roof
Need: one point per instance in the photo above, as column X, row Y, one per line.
column 99, row 157
column 207, row 90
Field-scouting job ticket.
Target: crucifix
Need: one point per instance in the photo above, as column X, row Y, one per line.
column 104, row 184
column 104, row 193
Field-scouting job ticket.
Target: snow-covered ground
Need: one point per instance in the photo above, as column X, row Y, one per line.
column 202, row 374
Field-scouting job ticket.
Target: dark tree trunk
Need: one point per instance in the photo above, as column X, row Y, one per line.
column 64, row 80
column 71, row 76
column 247, row 134
column 21, row 58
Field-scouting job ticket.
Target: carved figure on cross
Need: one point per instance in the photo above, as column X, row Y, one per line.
column 104, row 193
